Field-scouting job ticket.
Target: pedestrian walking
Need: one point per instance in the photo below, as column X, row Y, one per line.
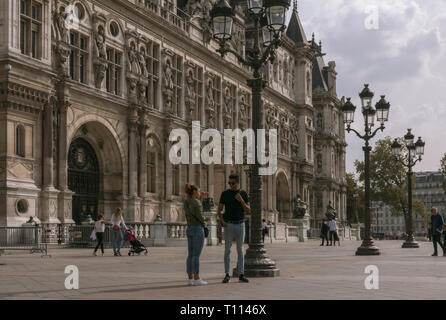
column 117, row 223
column 324, row 232
column 99, row 228
column 235, row 203
column 334, row 232
column 195, row 232
column 437, row 229
column 264, row 230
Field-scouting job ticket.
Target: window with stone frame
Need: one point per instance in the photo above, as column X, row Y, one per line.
column 31, row 28
column 177, row 70
column 176, row 180
column 113, row 72
column 20, row 141
column 153, row 68
column 78, row 57
column 199, row 76
column 309, row 148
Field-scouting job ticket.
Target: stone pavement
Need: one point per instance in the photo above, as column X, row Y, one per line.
column 307, row 272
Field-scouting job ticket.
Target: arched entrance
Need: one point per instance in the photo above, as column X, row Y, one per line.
column 283, row 198
column 83, row 179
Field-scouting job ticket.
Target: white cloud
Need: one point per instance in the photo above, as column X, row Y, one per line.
column 404, row 59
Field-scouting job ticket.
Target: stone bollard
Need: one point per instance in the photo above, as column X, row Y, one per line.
column 158, row 232
column 302, row 225
column 211, row 213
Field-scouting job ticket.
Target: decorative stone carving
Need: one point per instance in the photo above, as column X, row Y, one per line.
column 168, row 86
column 142, row 63
column 210, row 104
column 227, row 108
column 100, row 63
column 59, row 18
column 100, row 43
column 190, row 94
column 132, row 61
column 62, row 52
column 243, row 113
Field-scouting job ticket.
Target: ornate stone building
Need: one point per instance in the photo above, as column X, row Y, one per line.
column 91, row 89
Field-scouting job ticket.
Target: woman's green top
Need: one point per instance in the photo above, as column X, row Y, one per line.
column 194, row 212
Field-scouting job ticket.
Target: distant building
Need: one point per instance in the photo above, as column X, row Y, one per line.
column 429, row 189
column 384, row 222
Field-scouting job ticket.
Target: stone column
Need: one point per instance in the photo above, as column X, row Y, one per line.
column 65, row 197
column 143, row 161
column 48, row 201
column 133, row 202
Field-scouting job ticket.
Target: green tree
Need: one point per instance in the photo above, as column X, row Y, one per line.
column 388, row 180
column 355, row 203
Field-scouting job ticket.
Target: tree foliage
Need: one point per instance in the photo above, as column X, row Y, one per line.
column 355, row 200
column 388, row 180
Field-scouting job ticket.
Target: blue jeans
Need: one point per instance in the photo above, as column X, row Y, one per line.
column 195, row 243
column 117, row 240
column 235, row 232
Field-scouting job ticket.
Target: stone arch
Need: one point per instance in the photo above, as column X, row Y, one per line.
column 283, row 196
column 107, row 146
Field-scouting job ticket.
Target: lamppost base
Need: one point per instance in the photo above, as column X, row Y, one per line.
column 368, row 249
column 258, row 264
column 410, row 244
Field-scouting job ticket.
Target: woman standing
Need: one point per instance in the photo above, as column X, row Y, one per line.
column 99, row 228
column 117, row 222
column 195, row 233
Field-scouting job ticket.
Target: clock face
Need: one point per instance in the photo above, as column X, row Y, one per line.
column 80, row 157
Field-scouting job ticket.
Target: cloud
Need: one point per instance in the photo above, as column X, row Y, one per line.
column 405, row 59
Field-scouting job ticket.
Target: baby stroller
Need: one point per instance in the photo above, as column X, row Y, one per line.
column 136, row 246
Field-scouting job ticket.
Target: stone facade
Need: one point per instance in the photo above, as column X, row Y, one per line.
column 90, row 91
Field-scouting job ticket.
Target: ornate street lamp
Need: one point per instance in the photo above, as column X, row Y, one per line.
column 269, row 20
column 369, row 112
column 414, row 153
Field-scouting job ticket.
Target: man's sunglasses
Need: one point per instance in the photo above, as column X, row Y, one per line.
column 232, row 183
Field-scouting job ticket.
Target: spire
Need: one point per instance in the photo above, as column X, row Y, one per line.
column 295, row 30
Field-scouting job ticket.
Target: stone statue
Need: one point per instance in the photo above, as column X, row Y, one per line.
column 331, row 212
column 59, row 22
column 190, row 86
column 300, row 208
column 100, row 43
column 142, row 63
column 133, row 60
column 168, row 76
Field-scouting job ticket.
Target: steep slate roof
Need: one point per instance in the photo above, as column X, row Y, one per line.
column 295, row 30
column 319, row 75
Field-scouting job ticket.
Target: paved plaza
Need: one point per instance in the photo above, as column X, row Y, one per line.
column 307, row 272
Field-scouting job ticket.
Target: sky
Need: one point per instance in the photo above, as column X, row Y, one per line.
column 402, row 55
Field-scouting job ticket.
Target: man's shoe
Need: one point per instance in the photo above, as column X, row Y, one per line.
column 226, row 279
column 200, row 282
column 434, row 255
column 243, row 279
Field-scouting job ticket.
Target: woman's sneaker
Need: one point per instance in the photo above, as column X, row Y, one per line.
column 191, row 282
column 200, row 282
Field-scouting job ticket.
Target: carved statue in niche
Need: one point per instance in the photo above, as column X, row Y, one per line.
column 100, row 43
column 133, row 63
column 190, row 93
column 142, row 63
column 210, row 103
column 227, row 101
column 59, row 22
column 205, row 21
column 243, row 113
column 194, row 7
column 168, row 86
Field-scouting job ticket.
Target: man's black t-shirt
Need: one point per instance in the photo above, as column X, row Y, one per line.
column 233, row 208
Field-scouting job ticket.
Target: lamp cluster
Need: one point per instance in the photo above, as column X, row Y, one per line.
column 271, row 14
column 381, row 110
column 414, row 148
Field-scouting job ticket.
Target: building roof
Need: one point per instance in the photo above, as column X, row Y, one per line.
column 295, row 30
column 319, row 75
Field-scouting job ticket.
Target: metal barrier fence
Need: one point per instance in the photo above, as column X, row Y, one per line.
column 80, row 237
column 30, row 238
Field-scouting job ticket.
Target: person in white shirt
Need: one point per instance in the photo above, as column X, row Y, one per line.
column 264, row 230
column 117, row 223
column 99, row 228
column 333, row 232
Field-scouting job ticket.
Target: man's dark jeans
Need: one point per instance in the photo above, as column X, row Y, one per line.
column 437, row 239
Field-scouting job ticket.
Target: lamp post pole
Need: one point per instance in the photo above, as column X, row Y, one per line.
column 269, row 17
column 415, row 151
column 367, row 247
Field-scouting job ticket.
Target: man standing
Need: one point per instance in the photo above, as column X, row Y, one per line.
column 333, row 233
column 437, row 230
column 324, row 233
column 236, row 203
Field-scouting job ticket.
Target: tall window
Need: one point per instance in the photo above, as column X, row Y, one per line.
column 78, row 57
column 113, row 73
column 31, row 28
column 178, row 83
column 309, row 148
column 151, row 172
column 153, row 64
column 176, row 180
column 20, row 141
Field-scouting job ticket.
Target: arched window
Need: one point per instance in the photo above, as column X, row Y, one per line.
column 153, row 162
column 20, row 141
